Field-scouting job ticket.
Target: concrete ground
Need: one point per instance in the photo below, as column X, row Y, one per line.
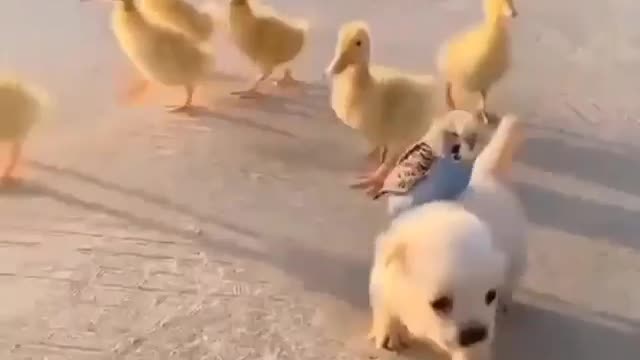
column 231, row 234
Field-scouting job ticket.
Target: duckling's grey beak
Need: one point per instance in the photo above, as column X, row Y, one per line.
column 514, row 13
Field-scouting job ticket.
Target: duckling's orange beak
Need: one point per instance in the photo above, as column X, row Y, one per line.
column 511, row 11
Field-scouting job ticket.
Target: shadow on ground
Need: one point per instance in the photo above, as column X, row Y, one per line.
column 551, row 329
column 617, row 168
column 530, row 332
column 580, row 216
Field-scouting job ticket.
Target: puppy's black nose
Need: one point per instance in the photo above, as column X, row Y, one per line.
column 472, row 335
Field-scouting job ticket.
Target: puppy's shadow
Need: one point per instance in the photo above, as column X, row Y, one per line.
column 559, row 331
column 580, row 216
column 615, row 167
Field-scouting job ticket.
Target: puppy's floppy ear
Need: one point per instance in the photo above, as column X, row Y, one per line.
column 395, row 253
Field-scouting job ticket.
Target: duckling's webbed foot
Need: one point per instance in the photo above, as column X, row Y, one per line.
column 372, row 183
column 253, row 92
column 187, row 103
column 287, row 80
column 179, row 108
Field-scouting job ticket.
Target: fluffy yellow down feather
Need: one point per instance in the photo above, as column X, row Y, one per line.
column 391, row 108
column 475, row 60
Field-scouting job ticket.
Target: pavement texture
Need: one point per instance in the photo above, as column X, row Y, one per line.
column 231, row 234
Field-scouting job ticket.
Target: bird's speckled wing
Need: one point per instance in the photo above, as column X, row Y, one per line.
column 412, row 166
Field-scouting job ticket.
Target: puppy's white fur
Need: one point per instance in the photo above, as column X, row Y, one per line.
column 460, row 249
column 490, row 197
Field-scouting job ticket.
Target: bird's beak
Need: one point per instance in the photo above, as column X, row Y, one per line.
column 337, row 65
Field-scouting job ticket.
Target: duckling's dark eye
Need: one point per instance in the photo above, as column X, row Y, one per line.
column 358, row 43
column 490, row 296
column 443, row 304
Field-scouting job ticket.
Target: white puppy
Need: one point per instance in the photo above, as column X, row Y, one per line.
column 441, row 268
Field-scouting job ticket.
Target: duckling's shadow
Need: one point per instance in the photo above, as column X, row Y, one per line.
column 21, row 188
column 269, row 104
column 206, row 114
column 313, row 96
column 313, row 155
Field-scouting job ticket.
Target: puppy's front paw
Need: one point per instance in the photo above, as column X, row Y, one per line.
column 393, row 336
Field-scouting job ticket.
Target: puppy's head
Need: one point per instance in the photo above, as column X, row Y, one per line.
column 450, row 275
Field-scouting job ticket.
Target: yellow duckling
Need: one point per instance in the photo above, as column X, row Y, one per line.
column 269, row 40
column 475, row 60
column 179, row 16
column 20, row 107
column 391, row 108
column 160, row 54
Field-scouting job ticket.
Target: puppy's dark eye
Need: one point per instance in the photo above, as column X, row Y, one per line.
column 358, row 43
column 490, row 296
column 443, row 304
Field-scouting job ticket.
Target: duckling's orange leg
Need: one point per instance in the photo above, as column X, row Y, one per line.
column 253, row 91
column 377, row 155
column 483, row 106
column 135, row 91
column 373, row 183
column 14, row 155
column 449, row 96
column 190, row 89
column 287, row 80
column 374, row 155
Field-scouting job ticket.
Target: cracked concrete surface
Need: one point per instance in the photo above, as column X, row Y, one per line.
column 231, row 234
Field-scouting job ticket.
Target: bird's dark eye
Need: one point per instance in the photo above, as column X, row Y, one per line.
column 490, row 297
column 443, row 304
column 358, row 43
column 455, row 152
